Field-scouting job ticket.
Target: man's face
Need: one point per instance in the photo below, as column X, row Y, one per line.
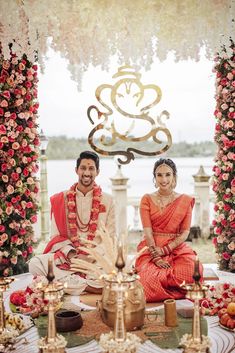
column 87, row 172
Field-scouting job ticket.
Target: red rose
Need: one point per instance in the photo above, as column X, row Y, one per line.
column 18, row 298
column 95, row 204
column 92, row 227
column 226, row 286
column 102, row 208
column 11, row 152
column 2, row 228
column 3, row 129
column 227, row 207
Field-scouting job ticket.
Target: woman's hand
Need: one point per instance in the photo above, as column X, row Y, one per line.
column 155, row 251
column 161, row 263
column 159, row 250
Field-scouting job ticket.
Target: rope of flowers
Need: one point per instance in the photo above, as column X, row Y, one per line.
column 224, row 168
column 218, row 296
column 19, row 152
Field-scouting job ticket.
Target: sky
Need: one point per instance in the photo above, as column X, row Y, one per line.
column 188, row 90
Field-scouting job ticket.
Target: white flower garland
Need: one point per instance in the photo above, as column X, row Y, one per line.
column 90, row 32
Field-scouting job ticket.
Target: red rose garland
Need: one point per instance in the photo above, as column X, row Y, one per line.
column 74, row 228
column 19, row 150
column 224, row 175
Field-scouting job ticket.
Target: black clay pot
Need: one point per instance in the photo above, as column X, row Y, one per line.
column 67, row 320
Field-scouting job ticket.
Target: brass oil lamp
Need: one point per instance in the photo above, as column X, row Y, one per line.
column 7, row 337
column 52, row 292
column 195, row 342
column 119, row 341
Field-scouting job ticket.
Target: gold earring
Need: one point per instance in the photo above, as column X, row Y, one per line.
column 173, row 185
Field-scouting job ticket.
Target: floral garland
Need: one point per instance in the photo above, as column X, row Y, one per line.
column 30, row 301
column 19, row 152
column 224, row 168
column 217, row 297
column 74, row 229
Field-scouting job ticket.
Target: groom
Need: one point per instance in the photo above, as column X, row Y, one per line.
column 76, row 214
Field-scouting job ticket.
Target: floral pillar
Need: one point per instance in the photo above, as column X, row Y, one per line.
column 224, row 169
column 19, row 152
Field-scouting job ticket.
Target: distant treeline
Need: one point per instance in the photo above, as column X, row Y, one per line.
column 62, row 147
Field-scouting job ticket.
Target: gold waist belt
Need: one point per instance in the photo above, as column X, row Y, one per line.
column 165, row 234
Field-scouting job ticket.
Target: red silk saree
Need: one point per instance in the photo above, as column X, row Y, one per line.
column 160, row 284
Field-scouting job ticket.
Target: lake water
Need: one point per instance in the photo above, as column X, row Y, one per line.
column 61, row 174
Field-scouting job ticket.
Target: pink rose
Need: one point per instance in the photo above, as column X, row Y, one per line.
column 33, row 219
column 9, row 210
column 19, row 102
column 10, row 189
column 15, row 146
column 29, row 205
column 4, row 103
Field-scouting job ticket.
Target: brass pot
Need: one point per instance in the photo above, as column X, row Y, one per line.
column 134, row 303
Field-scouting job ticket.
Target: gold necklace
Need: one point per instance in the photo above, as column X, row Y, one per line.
column 163, row 201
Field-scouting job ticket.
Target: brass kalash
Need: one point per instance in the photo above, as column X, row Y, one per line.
column 53, row 292
column 195, row 342
column 134, row 299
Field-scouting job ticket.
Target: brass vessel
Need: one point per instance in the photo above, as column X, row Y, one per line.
column 134, row 301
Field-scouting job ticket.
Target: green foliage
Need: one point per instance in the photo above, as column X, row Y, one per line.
column 62, row 147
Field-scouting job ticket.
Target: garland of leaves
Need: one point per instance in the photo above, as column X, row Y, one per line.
column 224, row 168
column 19, row 152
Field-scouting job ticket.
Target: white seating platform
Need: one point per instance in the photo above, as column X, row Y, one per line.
column 223, row 341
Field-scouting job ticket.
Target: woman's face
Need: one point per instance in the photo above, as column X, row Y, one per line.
column 164, row 178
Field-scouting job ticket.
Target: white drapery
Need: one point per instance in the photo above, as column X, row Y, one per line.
column 91, row 31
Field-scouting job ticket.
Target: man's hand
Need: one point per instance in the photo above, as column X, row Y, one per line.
column 71, row 254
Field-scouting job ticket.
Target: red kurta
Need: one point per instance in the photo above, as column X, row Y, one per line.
column 159, row 283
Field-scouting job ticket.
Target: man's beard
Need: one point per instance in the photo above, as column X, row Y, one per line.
column 87, row 182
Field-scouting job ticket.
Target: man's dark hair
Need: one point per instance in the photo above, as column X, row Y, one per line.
column 89, row 155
